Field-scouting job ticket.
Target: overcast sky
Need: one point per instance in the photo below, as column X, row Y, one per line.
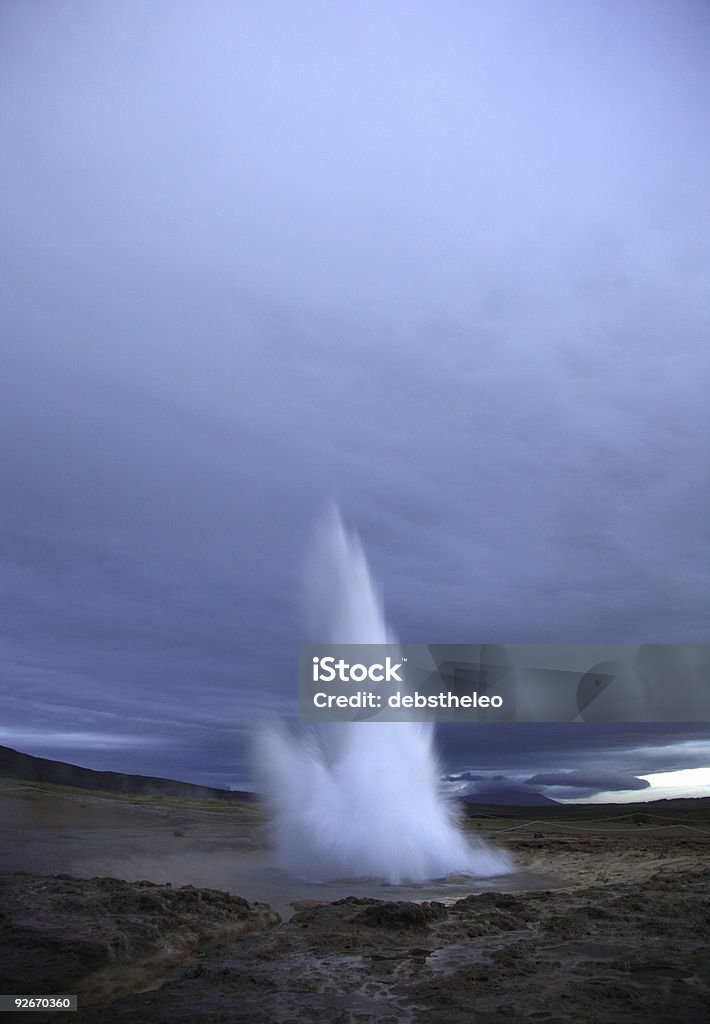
column 447, row 262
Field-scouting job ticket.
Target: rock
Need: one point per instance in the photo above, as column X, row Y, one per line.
column 306, row 904
column 401, row 915
column 93, row 936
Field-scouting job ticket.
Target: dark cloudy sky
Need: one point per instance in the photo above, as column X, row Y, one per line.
column 445, row 261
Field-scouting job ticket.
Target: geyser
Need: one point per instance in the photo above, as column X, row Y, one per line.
column 360, row 799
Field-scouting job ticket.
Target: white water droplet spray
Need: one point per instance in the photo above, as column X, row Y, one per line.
column 361, row 799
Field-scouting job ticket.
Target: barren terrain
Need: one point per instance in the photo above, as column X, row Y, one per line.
column 607, row 921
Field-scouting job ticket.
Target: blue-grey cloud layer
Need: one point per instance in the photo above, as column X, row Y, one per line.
column 597, row 781
column 445, row 262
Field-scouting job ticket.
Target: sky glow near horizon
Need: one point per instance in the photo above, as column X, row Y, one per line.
column 694, row 778
column 685, row 783
column 445, row 262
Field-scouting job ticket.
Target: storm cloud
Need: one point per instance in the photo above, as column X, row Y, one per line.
column 442, row 262
column 596, row 781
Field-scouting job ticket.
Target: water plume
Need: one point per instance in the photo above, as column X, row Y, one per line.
column 360, row 799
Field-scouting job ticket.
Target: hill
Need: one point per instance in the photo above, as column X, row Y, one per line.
column 15, row 765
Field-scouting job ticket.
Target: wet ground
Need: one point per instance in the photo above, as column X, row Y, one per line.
column 222, row 846
column 617, row 934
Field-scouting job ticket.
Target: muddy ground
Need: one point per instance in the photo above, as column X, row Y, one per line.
column 618, row 934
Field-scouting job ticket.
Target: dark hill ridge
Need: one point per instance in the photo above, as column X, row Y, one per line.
column 26, row 767
column 15, row 765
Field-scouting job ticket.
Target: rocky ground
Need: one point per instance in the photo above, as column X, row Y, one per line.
column 621, row 937
column 102, row 938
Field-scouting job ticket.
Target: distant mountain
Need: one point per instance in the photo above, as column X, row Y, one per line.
column 15, row 765
column 509, row 796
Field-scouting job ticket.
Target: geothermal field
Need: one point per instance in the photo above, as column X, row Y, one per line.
column 353, row 891
column 438, row 264
column 155, row 909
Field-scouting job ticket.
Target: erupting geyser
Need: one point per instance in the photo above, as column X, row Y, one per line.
column 361, row 799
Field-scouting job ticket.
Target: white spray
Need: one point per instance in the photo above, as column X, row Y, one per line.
column 361, row 799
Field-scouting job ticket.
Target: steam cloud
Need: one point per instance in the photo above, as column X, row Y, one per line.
column 361, row 799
